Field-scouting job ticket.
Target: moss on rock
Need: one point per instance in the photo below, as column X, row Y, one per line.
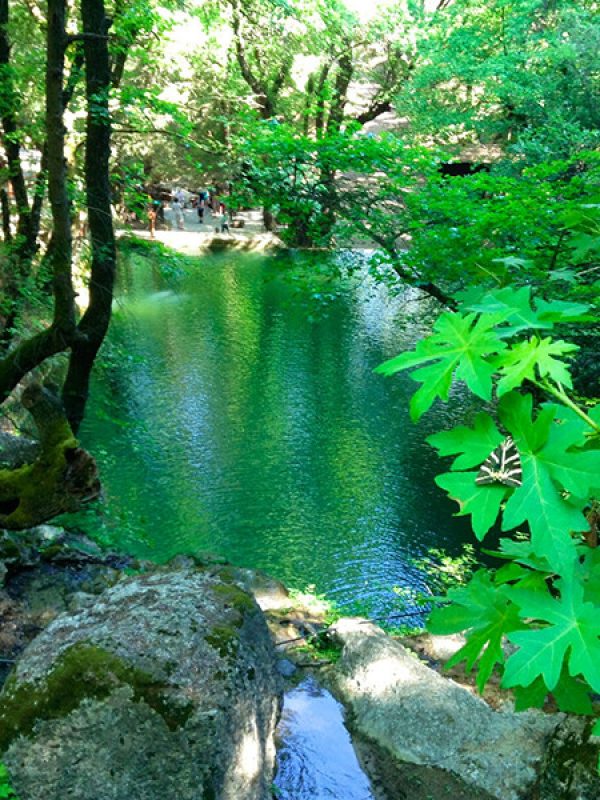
column 225, row 639
column 234, row 597
column 82, row 672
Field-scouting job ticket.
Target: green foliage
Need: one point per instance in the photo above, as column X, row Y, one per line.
column 460, row 347
column 545, row 599
column 538, row 227
column 6, row 790
column 522, row 73
column 293, row 176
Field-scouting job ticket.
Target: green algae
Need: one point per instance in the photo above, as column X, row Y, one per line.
column 233, row 596
column 84, row 671
column 225, row 640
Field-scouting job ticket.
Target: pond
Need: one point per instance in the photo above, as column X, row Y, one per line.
column 237, row 411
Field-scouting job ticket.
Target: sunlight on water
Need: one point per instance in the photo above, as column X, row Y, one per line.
column 315, row 758
column 237, row 413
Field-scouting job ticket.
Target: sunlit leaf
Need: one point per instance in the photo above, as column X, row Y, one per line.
column 482, row 502
column 458, row 347
column 474, row 444
column 570, row 635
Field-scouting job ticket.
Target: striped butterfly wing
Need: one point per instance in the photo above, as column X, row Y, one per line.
column 503, row 465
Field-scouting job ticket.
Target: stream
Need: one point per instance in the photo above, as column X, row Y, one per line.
column 316, row 760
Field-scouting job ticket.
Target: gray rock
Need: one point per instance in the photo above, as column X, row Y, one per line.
column 286, row 667
column 570, row 768
column 268, row 592
column 80, row 600
column 434, row 727
column 165, row 688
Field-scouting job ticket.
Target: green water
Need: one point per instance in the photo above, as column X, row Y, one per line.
column 236, row 414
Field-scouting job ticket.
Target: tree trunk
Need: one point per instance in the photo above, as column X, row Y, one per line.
column 5, row 207
column 95, row 321
column 340, row 90
column 268, row 219
column 62, row 477
column 62, row 244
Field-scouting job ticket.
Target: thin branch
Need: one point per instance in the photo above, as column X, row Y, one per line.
column 86, row 37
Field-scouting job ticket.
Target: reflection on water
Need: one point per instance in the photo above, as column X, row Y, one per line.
column 236, row 418
column 315, row 758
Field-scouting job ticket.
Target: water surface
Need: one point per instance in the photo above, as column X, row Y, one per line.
column 237, row 414
column 315, row 758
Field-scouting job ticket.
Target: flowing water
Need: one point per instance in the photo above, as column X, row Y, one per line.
column 315, row 759
column 238, row 412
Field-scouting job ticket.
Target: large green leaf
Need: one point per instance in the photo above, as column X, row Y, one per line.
column 562, row 311
column 569, row 429
column 459, row 348
column 515, row 305
column 520, row 313
column 474, row 444
column 532, row 696
column 533, row 359
column 540, row 500
column 521, row 552
column 482, row 502
column 485, row 612
column 570, row 635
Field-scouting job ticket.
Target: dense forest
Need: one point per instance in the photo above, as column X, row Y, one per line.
column 455, row 142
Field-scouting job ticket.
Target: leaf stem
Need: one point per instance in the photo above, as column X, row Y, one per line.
column 560, row 394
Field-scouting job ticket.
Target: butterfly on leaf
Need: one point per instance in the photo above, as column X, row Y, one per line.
column 503, row 465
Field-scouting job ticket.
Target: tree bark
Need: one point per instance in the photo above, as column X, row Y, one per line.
column 319, row 94
column 5, row 207
column 95, row 321
column 62, row 477
column 24, row 246
column 62, row 249
column 343, row 77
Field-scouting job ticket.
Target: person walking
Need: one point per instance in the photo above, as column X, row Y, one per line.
column 178, row 213
column 153, row 208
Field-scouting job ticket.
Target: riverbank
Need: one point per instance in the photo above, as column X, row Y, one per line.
column 195, row 237
column 417, row 734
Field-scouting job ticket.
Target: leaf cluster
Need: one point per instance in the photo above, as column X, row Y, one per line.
column 545, row 599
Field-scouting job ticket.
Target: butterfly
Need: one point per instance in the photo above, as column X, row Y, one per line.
column 503, row 465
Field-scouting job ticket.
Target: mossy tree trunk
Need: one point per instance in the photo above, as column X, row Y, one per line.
column 63, row 475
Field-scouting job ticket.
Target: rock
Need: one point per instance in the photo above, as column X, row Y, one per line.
column 286, row 668
column 41, row 570
column 268, row 592
column 165, row 688
column 46, row 564
column 443, row 741
column 570, row 768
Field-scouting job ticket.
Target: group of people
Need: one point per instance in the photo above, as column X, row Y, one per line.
column 202, row 202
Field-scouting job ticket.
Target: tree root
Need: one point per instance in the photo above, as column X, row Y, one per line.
column 62, row 477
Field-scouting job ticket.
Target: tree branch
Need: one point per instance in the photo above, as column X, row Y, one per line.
column 374, row 110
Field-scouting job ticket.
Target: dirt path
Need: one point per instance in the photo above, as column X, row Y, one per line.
column 196, row 237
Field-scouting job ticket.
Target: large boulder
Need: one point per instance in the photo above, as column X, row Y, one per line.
column 166, row 687
column 432, row 738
